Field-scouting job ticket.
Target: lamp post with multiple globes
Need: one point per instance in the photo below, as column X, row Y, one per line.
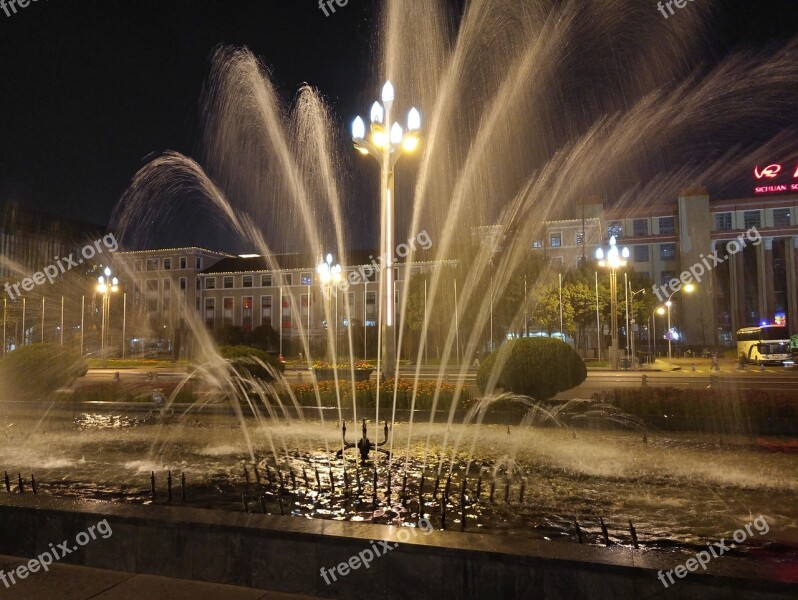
column 386, row 142
column 106, row 285
column 613, row 259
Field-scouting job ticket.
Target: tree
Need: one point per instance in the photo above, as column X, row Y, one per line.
column 546, row 311
column 536, row 367
column 36, row 371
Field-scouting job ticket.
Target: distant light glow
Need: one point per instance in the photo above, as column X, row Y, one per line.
column 249, row 256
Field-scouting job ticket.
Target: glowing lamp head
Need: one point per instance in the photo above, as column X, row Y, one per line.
column 660, row 311
column 377, row 113
column 669, row 304
column 388, row 92
column 358, row 129
column 329, row 259
column 107, row 271
column 413, row 120
column 410, row 143
column 396, row 134
column 379, row 139
column 689, row 288
column 600, row 254
column 625, row 252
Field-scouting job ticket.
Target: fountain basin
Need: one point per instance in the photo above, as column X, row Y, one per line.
column 285, row 554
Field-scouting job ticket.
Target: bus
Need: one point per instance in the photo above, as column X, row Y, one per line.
column 769, row 344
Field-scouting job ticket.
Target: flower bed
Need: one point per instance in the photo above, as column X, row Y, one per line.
column 366, row 393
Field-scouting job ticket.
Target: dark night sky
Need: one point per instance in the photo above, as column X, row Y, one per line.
column 90, row 88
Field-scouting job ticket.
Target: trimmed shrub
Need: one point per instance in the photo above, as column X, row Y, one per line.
column 536, row 367
column 246, row 361
column 34, row 372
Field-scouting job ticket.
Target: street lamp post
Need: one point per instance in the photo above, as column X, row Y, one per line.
column 668, row 303
column 613, row 260
column 329, row 276
column 106, row 285
column 387, row 142
column 630, row 325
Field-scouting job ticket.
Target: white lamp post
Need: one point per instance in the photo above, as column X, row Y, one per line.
column 386, row 143
column 689, row 288
column 106, row 285
column 329, row 276
column 613, row 260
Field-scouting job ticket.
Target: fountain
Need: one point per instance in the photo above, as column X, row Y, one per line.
column 364, row 445
column 571, row 471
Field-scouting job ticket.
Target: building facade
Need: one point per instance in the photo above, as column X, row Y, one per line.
column 747, row 249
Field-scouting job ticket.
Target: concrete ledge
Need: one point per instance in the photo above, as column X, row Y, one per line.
column 286, row 554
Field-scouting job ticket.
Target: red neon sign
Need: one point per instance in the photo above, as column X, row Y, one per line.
column 771, row 172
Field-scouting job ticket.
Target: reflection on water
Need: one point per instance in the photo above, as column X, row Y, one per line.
column 528, row 482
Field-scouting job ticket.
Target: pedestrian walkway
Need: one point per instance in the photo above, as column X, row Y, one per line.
column 68, row 582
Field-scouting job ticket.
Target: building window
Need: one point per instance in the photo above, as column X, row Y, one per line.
column 723, row 221
column 555, row 240
column 667, row 225
column 667, row 251
column 227, row 283
column 641, row 254
column 580, row 238
column 152, row 264
column 246, row 281
column 306, row 279
column 371, row 309
column 640, row 226
column 666, row 277
column 183, row 262
column 210, row 283
column 246, row 313
column 210, row 312
column 288, row 279
column 615, row 229
column 167, row 264
column 537, row 244
column 752, row 218
column 266, row 280
column 266, row 310
column 304, row 307
column 137, row 265
column 167, row 287
column 198, row 263
column 286, row 320
column 781, row 217
column 227, row 312
column 151, row 298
